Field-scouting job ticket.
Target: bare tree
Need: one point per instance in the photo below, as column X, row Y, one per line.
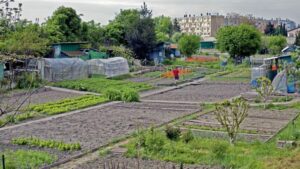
column 230, row 114
column 264, row 89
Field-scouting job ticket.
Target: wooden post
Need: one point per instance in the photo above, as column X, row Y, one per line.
column 3, row 161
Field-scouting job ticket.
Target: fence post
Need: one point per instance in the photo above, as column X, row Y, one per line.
column 3, row 161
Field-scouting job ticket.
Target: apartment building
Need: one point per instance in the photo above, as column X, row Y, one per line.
column 294, row 32
column 203, row 25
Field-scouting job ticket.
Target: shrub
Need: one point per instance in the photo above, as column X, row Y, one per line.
column 28, row 80
column 154, row 141
column 130, row 95
column 220, row 150
column 125, row 94
column 173, row 133
column 296, row 135
column 113, row 94
column 187, row 136
column 167, row 62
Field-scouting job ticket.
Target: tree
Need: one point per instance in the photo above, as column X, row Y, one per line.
column 281, row 30
column 141, row 36
column 270, row 30
column 230, row 114
column 276, row 43
column 189, row 44
column 28, row 42
column 115, row 31
column 264, row 89
column 163, row 28
column 176, row 27
column 92, row 32
column 297, row 42
column 176, row 37
column 239, row 41
column 64, row 25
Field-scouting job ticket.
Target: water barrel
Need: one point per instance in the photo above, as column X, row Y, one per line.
column 291, row 85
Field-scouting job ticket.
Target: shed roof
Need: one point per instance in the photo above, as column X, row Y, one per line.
column 73, row 53
column 70, row 43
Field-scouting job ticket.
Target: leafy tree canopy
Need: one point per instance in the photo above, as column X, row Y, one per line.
column 163, row 28
column 92, row 32
column 25, row 42
column 239, row 41
column 275, row 44
column 64, row 25
column 189, row 44
column 116, row 30
column 141, row 37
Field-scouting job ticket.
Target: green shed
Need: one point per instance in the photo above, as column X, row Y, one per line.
column 208, row 43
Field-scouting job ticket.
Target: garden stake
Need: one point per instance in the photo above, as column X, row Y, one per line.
column 3, row 161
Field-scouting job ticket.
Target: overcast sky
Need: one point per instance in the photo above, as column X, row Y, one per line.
column 105, row 10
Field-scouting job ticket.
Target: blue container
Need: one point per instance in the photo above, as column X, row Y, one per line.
column 291, row 84
column 291, row 88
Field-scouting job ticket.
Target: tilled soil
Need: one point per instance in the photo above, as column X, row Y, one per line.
column 128, row 163
column 40, row 96
column 264, row 122
column 203, row 92
column 98, row 127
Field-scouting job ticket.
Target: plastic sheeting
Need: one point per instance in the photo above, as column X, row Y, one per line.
column 280, row 82
column 110, row 67
column 256, row 73
column 63, row 69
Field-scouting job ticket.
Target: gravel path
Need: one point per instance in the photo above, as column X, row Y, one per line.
column 203, row 92
column 100, row 126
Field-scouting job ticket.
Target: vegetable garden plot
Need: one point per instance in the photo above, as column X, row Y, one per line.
column 40, row 96
column 203, row 92
column 262, row 123
column 98, row 127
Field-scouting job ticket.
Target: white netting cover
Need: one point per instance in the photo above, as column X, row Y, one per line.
column 280, row 82
column 110, row 67
column 63, row 69
column 258, row 72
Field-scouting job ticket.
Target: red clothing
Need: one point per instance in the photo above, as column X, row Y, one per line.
column 176, row 73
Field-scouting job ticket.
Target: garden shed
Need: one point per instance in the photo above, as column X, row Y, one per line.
column 62, row 69
column 109, row 67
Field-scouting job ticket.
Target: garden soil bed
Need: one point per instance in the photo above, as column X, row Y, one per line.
column 40, row 96
column 98, row 127
column 264, row 123
column 203, row 92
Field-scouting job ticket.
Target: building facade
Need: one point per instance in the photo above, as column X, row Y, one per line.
column 207, row 25
column 203, row 25
column 289, row 24
column 293, row 33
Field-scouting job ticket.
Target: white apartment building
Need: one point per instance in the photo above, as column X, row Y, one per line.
column 203, row 25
